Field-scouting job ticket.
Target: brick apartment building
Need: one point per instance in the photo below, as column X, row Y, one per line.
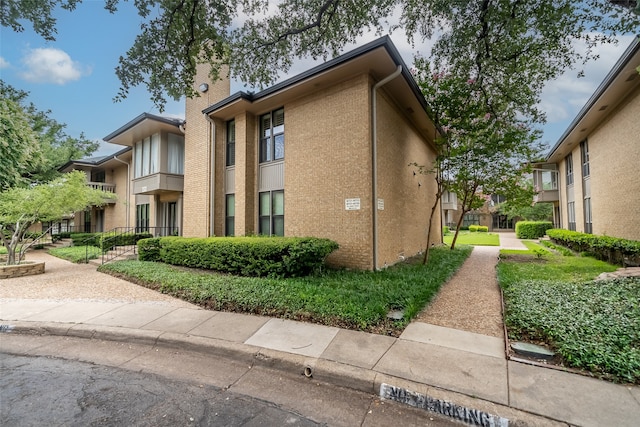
column 591, row 173
column 325, row 154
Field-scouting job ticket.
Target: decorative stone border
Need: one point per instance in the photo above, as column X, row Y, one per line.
column 20, row 270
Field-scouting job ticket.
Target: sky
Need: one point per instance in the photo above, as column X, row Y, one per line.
column 74, row 76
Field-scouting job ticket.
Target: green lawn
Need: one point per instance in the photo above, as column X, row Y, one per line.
column 358, row 300
column 3, row 250
column 594, row 326
column 474, row 239
column 77, row 254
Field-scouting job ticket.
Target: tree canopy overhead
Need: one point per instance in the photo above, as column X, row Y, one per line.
column 260, row 39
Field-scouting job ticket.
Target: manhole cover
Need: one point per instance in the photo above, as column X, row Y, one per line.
column 532, row 350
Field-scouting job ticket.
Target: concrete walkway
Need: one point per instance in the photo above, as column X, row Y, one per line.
column 468, row 370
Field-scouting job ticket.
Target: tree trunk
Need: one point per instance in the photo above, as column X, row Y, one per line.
column 425, row 259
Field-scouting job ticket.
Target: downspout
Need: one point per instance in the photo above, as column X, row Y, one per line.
column 374, row 160
column 128, row 183
column 213, row 175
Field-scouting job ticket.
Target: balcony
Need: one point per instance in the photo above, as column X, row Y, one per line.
column 103, row 186
column 158, row 183
column 545, row 182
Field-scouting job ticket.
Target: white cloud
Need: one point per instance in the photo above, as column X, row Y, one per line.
column 564, row 97
column 50, row 65
column 3, row 63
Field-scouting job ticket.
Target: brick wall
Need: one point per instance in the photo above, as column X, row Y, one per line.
column 197, row 158
column 614, row 151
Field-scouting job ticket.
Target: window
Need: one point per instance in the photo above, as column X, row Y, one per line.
column 230, row 215
column 272, row 136
column 569, row 161
column 588, row 226
column 146, row 154
column 571, row 212
column 497, row 199
column 175, row 154
column 231, row 143
column 142, row 217
column 584, row 155
column 470, row 219
column 271, row 220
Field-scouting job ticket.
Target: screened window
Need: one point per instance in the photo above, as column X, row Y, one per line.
column 147, row 154
column 231, row 143
column 271, row 218
column 569, row 162
column 272, row 136
column 584, row 154
column 230, row 215
column 142, row 217
column 175, row 155
column 571, row 212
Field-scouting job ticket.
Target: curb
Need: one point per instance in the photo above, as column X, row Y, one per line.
column 323, row 370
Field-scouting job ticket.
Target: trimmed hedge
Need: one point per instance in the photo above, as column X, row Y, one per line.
column 445, row 230
column 532, row 229
column 611, row 249
column 243, row 256
column 107, row 240
column 478, row 229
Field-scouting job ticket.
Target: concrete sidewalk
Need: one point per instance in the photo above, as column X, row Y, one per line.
column 469, row 370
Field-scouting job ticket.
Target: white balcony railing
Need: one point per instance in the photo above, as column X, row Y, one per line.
column 109, row 188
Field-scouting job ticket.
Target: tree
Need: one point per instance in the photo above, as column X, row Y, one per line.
column 33, row 145
column 535, row 38
column 21, row 207
column 529, row 212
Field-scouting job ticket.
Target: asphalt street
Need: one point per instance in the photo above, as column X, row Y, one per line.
column 85, row 382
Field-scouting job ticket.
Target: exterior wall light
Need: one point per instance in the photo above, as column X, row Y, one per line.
column 203, row 87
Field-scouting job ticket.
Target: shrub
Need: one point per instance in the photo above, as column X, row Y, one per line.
column 445, row 230
column 244, row 256
column 85, row 239
column 473, row 228
column 611, row 249
column 483, row 229
column 108, row 240
column 532, row 229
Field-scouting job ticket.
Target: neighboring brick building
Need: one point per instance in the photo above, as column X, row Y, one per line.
column 591, row 174
column 296, row 159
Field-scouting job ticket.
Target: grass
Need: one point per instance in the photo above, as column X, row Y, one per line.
column 592, row 325
column 358, row 300
column 3, row 250
column 76, row 254
column 473, row 239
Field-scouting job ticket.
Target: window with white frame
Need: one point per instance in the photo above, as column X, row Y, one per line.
column 147, row 156
column 588, row 226
column 584, row 156
column 230, row 215
column 272, row 136
column 175, row 154
column 571, row 213
column 231, row 143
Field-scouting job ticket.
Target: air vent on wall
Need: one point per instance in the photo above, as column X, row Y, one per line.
column 604, row 107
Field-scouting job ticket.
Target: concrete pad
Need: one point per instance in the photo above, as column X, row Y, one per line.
column 229, row 326
column 181, row 320
column 454, row 338
column 358, row 348
column 473, row 374
column 24, row 308
column 635, row 392
column 75, row 312
column 131, row 315
column 294, row 337
column 573, row 398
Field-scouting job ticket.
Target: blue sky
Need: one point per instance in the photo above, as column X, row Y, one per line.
column 74, row 76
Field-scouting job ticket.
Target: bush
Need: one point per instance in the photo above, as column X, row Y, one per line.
column 244, row 256
column 532, row 229
column 108, row 240
column 85, row 239
column 473, row 228
column 483, row 229
column 610, row 249
column 445, row 230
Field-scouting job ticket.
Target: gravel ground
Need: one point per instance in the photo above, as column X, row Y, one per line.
column 471, row 300
column 64, row 280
